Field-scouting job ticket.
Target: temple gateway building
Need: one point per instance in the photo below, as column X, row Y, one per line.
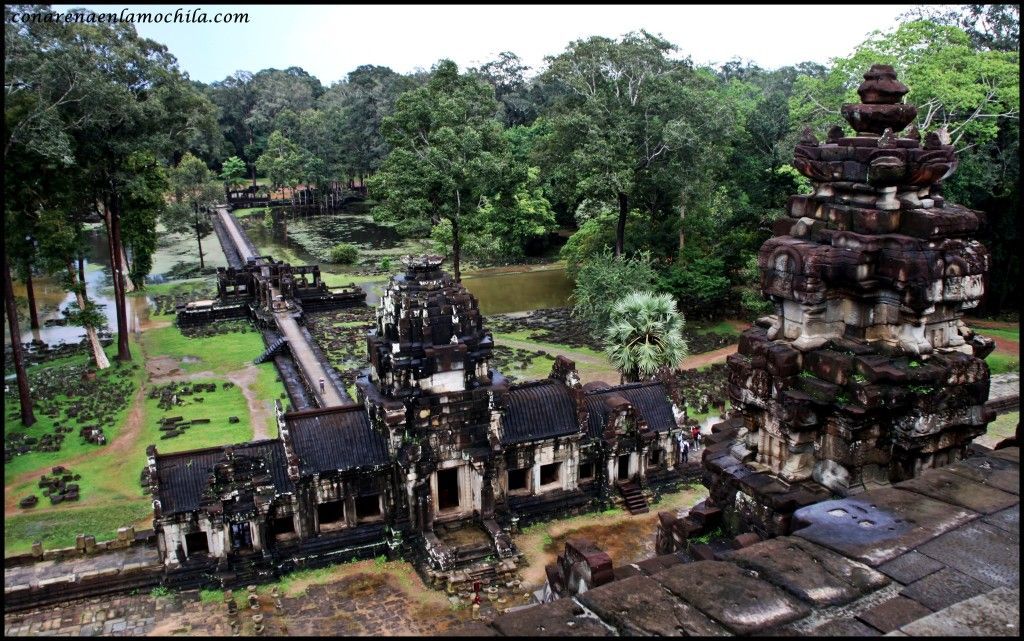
column 439, row 458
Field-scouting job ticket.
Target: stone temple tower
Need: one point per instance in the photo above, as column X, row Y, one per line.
column 431, row 392
column 865, row 374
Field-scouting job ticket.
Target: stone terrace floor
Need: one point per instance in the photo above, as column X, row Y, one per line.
column 935, row 555
column 111, row 562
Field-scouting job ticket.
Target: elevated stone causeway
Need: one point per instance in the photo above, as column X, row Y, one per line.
column 935, row 555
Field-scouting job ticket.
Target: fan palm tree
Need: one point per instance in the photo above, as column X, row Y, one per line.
column 645, row 333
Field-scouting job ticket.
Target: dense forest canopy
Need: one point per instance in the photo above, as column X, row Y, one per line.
column 623, row 143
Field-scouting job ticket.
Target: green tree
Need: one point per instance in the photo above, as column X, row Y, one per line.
column 602, row 281
column 193, row 196
column 283, row 162
column 144, row 205
column 953, row 85
column 701, row 285
column 629, row 124
column 358, row 106
column 518, row 219
column 506, row 74
column 448, row 153
column 644, row 335
column 233, row 172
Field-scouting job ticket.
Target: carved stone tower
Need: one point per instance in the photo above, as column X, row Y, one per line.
column 431, row 392
column 865, row 374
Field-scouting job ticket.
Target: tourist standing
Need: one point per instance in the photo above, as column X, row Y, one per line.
column 686, row 452
column 322, row 390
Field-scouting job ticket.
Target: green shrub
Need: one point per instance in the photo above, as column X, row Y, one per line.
column 344, row 253
column 602, row 281
column 701, row 285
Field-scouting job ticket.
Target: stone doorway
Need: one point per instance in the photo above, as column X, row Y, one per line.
column 448, row 489
column 624, row 467
column 241, row 537
column 197, row 543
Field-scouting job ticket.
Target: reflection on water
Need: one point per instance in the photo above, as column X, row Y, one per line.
column 517, row 292
column 309, row 238
column 303, row 237
column 52, row 299
column 504, row 292
column 498, row 292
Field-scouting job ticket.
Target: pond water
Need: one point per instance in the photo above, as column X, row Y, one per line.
column 298, row 240
column 52, row 299
column 307, row 239
column 503, row 292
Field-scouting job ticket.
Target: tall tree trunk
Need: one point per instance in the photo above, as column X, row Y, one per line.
column 129, row 285
column 682, row 220
column 117, row 269
column 199, row 240
column 456, row 250
column 253, row 165
column 620, row 229
column 98, row 355
column 30, row 291
column 28, row 417
column 81, row 267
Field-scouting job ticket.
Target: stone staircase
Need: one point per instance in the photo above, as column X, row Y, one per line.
column 271, row 351
column 633, row 497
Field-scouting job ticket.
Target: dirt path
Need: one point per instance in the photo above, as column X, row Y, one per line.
column 626, row 538
column 707, row 358
column 991, row 324
column 1005, row 345
column 116, row 450
column 259, row 413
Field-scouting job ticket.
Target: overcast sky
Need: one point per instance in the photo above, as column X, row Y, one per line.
column 330, row 41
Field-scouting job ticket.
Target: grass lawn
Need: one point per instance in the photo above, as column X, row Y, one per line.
column 216, row 406
column 248, row 211
column 59, row 526
column 220, row 354
column 1002, row 363
column 526, row 336
column 73, row 444
column 341, row 280
column 172, row 287
column 268, row 388
column 1009, row 334
column 720, row 327
column 111, row 494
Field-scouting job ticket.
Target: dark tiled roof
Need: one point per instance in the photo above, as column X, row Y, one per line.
column 538, row 410
column 337, row 438
column 649, row 399
column 183, row 476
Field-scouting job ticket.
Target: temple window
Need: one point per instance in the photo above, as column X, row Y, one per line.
column 331, row 515
column 518, row 480
column 368, row 507
column 550, row 473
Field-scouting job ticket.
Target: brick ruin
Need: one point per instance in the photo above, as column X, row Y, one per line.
column 865, row 375
column 439, row 459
